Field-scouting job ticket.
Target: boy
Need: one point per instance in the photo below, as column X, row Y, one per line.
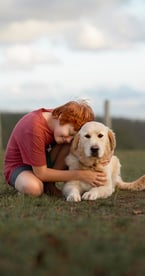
column 36, row 150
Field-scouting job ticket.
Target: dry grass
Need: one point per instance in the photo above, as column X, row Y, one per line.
column 49, row 236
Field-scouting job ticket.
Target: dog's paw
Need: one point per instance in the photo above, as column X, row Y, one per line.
column 90, row 195
column 74, row 197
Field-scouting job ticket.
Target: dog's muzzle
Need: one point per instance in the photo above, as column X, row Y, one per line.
column 95, row 151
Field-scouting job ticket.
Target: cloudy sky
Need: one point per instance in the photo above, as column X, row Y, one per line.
column 53, row 51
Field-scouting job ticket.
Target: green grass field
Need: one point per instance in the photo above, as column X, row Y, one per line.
column 49, row 236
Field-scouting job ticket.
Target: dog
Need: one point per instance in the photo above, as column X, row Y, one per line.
column 90, row 147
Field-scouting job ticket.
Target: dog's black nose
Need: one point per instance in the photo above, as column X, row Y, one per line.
column 94, row 151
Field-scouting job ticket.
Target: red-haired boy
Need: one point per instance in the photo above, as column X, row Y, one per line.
column 36, row 150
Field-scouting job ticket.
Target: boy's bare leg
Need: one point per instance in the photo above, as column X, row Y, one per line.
column 58, row 155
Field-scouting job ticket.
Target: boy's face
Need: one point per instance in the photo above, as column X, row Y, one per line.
column 63, row 134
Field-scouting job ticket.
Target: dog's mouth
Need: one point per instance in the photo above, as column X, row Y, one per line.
column 94, row 151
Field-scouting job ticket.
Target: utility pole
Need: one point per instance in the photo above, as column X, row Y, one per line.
column 107, row 117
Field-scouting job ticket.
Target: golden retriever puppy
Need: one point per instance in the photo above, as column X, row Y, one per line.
column 91, row 145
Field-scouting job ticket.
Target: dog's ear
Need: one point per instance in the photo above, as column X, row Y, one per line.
column 112, row 139
column 75, row 142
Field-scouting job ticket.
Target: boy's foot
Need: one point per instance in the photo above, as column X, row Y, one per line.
column 51, row 189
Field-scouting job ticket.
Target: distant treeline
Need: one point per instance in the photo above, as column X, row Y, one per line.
column 130, row 134
column 8, row 121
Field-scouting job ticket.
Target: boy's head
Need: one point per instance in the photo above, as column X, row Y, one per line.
column 76, row 113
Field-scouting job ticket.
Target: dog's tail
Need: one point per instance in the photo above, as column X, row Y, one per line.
column 137, row 185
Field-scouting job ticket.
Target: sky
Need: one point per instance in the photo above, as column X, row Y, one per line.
column 54, row 51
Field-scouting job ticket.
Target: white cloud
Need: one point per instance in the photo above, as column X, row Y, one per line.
column 81, row 24
column 53, row 51
column 22, row 57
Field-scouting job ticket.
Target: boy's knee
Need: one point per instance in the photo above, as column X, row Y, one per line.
column 34, row 188
column 38, row 189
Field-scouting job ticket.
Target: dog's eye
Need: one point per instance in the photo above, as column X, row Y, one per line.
column 87, row 136
column 100, row 135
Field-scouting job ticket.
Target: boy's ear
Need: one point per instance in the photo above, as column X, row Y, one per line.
column 75, row 143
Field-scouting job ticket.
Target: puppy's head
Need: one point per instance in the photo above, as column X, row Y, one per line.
column 94, row 140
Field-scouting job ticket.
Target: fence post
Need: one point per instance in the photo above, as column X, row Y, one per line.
column 107, row 117
column 1, row 146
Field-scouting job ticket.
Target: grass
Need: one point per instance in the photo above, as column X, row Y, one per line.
column 49, row 236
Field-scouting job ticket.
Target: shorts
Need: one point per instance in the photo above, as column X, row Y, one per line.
column 17, row 171
column 20, row 169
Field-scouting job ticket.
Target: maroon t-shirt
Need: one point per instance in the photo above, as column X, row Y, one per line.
column 28, row 142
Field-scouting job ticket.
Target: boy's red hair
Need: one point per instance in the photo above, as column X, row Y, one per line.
column 76, row 113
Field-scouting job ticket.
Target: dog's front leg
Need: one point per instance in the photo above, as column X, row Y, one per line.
column 72, row 191
column 98, row 192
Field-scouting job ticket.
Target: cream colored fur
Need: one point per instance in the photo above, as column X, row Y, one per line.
column 91, row 145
